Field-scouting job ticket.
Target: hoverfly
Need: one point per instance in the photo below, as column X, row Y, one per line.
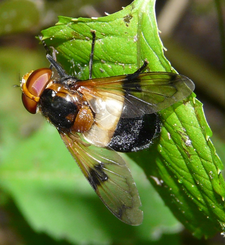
column 96, row 118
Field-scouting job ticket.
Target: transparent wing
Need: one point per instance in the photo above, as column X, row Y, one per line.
column 158, row 90
column 109, row 176
column 145, row 93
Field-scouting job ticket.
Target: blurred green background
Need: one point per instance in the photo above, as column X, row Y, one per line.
column 191, row 33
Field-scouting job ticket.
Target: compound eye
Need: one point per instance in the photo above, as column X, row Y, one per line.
column 33, row 85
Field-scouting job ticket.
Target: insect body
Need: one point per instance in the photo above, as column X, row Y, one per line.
column 98, row 117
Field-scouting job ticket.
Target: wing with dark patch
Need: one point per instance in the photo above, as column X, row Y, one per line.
column 157, row 89
column 109, row 176
column 144, row 93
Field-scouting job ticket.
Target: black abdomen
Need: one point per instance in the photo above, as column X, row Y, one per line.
column 134, row 134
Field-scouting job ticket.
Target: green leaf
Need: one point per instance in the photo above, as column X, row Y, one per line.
column 120, row 48
column 183, row 157
column 182, row 164
column 187, row 169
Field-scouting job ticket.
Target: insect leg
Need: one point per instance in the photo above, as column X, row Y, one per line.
column 44, row 44
column 137, row 73
column 54, row 64
column 52, row 58
column 92, row 54
column 142, row 68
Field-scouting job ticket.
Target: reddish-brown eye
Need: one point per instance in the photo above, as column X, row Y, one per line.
column 33, row 85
